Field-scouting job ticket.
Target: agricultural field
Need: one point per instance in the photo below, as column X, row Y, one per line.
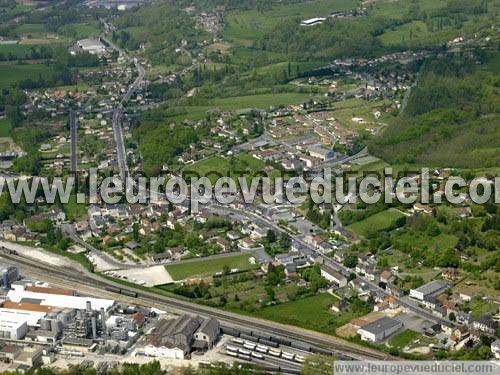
column 80, row 30
column 239, row 103
column 19, row 51
column 246, row 26
column 5, row 127
column 310, row 312
column 375, row 223
column 208, row 267
column 10, row 74
column 31, row 30
column 260, row 101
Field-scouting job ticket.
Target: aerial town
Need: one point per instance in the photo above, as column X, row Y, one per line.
column 274, row 286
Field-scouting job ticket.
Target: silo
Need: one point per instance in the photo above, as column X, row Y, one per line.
column 5, row 279
column 94, row 327
column 56, row 326
column 103, row 320
column 45, row 325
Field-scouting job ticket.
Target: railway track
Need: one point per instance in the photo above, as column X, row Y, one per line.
column 329, row 343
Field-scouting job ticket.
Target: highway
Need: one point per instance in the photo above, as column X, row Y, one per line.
column 74, row 134
column 96, row 285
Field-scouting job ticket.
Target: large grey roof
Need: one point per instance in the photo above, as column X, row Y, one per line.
column 210, row 327
column 433, row 287
column 381, row 325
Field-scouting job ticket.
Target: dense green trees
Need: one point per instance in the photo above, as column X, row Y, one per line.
column 451, row 118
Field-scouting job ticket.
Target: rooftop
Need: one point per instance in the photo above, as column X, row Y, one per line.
column 381, row 325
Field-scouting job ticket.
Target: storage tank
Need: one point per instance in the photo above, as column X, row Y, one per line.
column 56, row 326
column 45, row 325
column 94, row 327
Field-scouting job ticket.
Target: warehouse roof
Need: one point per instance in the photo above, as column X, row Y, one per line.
column 381, row 325
column 57, row 300
column 433, row 287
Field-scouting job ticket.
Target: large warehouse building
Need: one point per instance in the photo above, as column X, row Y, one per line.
column 430, row 289
column 21, row 294
column 380, row 329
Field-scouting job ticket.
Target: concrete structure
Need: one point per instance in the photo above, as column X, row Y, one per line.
column 379, row 330
column 12, row 328
column 430, row 289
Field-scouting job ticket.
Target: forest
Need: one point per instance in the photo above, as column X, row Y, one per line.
column 451, row 118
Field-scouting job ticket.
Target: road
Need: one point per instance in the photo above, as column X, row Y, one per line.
column 312, row 253
column 121, row 153
column 73, row 130
column 69, row 230
column 95, row 285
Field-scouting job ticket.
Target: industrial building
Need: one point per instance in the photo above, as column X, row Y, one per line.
column 207, row 334
column 20, row 294
column 92, row 46
column 175, row 338
column 12, row 329
column 380, row 329
column 430, row 289
column 9, row 274
column 321, row 153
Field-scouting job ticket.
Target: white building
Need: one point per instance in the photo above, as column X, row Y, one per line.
column 163, row 352
column 92, row 46
column 13, row 329
column 313, row 21
column 321, row 153
column 333, row 276
column 430, row 289
column 31, row 318
column 18, row 293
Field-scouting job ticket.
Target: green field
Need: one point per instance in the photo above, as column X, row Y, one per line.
column 208, row 267
column 404, row 338
column 20, row 51
column 376, row 223
column 260, row 101
column 310, row 313
column 31, row 29
column 5, row 127
column 73, row 210
column 222, row 165
column 10, row 74
column 236, row 103
column 80, row 30
column 411, row 339
column 248, row 25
